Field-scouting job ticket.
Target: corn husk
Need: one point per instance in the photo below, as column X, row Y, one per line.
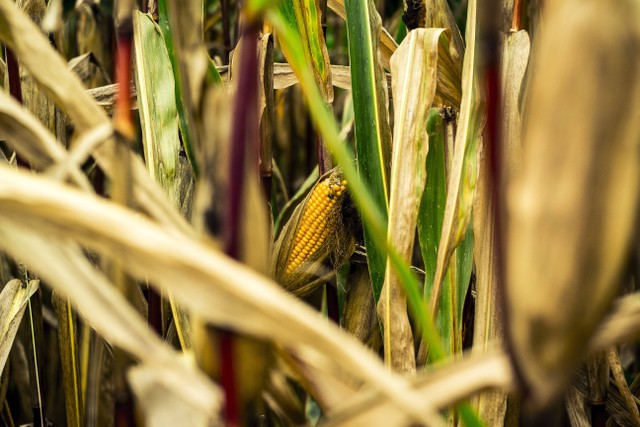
column 320, row 266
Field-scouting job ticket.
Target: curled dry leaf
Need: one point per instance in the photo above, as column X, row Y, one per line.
column 413, row 76
column 63, row 265
column 573, row 208
column 164, row 405
column 31, row 139
column 13, row 301
column 49, row 69
column 439, row 388
column 463, row 175
column 218, row 287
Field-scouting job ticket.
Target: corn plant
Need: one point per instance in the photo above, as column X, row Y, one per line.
column 331, row 212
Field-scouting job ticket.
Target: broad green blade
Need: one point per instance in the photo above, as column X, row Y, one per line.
column 185, row 130
column 159, row 119
column 182, row 96
column 307, row 13
column 414, row 70
column 456, row 280
column 432, row 212
column 387, row 43
column 370, row 106
column 464, row 167
column 157, row 104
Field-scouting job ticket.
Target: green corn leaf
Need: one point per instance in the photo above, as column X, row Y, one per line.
column 464, row 167
column 308, row 16
column 157, row 104
column 414, row 70
column 370, row 106
column 159, row 118
column 211, row 75
column 371, row 214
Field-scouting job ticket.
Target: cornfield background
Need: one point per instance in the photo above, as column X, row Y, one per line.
column 319, row 212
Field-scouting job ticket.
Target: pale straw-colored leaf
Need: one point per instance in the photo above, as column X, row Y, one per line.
column 217, row 288
column 164, row 405
column 463, row 174
column 49, row 69
column 414, row 68
column 31, row 139
column 573, row 207
column 62, row 264
column 440, row 387
column 13, row 301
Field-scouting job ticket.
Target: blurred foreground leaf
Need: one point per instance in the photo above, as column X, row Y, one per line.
column 573, row 206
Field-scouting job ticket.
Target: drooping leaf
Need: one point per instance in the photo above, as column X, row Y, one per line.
column 414, row 67
column 218, row 287
column 65, row 267
column 49, row 69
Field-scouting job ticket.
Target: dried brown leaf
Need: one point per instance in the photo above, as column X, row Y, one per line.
column 49, row 69
column 414, row 68
column 573, row 208
column 13, row 301
column 217, row 288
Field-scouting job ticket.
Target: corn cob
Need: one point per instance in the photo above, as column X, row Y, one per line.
column 317, row 222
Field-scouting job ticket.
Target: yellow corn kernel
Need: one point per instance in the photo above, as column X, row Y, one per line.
column 315, row 226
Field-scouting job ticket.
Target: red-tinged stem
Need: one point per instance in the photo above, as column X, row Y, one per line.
column 155, row 311
column 121, row 187
column 516, row 18
column 244, row 154
column 122, row 117
column 15, row 86
column 124, row 415
column 244, row 136
column 228, row 379
column 226, row 34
